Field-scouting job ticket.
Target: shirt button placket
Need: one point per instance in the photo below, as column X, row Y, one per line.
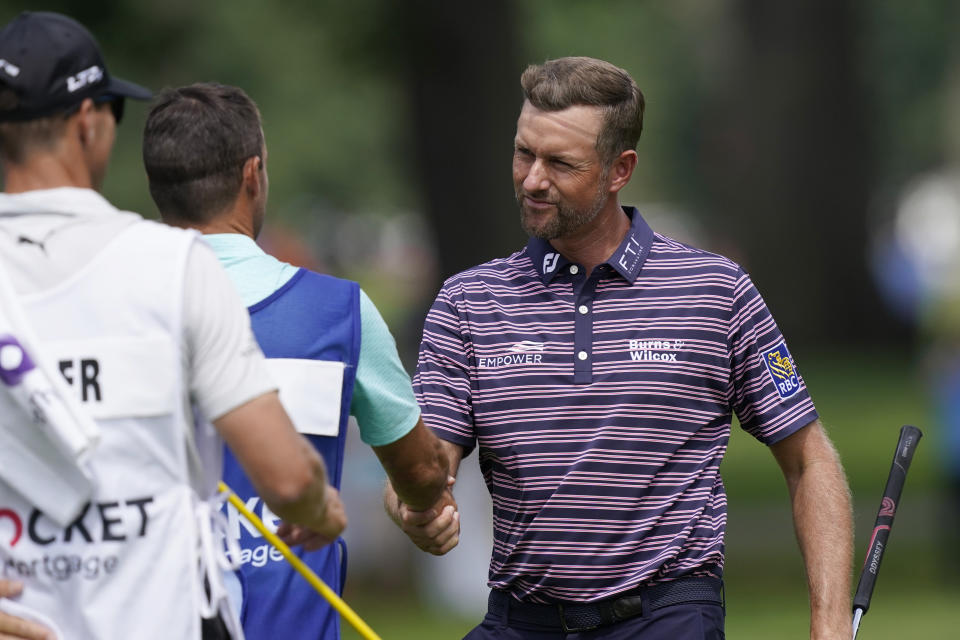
column 583, row 329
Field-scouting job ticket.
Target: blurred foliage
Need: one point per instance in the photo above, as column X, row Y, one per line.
column 329, row 78
column 326, row 76
column 910, row 55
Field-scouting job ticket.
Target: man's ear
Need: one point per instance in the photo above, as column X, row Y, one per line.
column 85, row 122
column 621, row 170
column 251, row 175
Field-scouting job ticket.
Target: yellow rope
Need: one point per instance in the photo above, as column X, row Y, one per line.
column 336, row 601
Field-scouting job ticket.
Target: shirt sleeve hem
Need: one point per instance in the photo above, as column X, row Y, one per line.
column 783, row 433
column 236, row 399
column 468, row 444
column 384, row 436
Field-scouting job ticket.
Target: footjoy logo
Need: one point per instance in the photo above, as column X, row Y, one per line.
column 17, row 525
column 550, row 262
column 655, row 350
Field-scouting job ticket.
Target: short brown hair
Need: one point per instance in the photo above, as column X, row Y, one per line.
column 558, row 84
column 195, row 143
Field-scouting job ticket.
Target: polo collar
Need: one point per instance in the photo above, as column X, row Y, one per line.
column 235, row 246
column 72, row 201
column 627, row 260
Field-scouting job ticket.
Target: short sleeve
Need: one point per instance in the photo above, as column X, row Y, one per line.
column 442, row 381
column 225, row 366
column 767, row 392
column 383, row 401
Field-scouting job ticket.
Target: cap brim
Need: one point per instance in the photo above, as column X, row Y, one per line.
column 126, row 89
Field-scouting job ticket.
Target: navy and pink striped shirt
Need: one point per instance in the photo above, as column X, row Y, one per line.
column 602, row 406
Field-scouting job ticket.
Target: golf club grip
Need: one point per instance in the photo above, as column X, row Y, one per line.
column 909, row 437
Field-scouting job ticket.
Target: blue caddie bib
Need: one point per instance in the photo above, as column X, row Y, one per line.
column 311, row 317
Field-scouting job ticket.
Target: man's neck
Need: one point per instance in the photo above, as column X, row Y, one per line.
column 228, row 222
column 595, row 242
column 44, row 171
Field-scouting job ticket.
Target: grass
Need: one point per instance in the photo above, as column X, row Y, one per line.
column 863, row 399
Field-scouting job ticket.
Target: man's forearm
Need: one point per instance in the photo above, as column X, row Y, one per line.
column 822, row 516
column 824, row 525
column 417, row 465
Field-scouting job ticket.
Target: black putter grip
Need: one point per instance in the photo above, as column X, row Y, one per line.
column 909, row 437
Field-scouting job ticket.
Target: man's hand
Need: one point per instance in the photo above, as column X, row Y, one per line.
column 436, row 530
column 335, row 521
column 12, row 628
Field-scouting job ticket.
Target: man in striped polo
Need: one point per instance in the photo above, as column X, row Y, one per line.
column 598, row 370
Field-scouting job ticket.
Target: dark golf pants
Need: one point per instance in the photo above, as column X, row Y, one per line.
column 682, row 621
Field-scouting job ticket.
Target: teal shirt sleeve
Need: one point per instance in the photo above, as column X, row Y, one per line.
column 383, row 401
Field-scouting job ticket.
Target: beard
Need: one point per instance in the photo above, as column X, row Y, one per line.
column 567, row 219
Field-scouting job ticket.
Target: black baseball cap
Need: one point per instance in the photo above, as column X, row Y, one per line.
column 50, row 63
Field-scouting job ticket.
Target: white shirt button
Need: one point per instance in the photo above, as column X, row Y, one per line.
column 574, row 269
column 584, row 309
column 582, row 355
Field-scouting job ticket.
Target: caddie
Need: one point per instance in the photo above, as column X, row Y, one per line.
column 326, row 344
column 148, row 333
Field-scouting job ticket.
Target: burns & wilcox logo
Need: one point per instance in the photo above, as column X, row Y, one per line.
column 782, row 372
column 655, row 350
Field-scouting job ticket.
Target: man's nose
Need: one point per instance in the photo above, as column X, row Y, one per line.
column 536, row 178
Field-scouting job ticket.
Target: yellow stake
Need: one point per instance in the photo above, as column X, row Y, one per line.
column 329, row 595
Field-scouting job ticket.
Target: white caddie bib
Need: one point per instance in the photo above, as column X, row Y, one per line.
column 130, row 565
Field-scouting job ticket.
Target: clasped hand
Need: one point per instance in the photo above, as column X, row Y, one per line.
column 435, row 530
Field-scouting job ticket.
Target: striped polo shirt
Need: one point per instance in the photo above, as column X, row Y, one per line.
column 602, row 406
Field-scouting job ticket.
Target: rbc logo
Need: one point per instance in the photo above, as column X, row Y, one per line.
column 781, row 370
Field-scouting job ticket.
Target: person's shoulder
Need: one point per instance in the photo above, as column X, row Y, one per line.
column 327, row 279
column 516, row 266
column 155, row 239
column 670, row 253
column 158, row 229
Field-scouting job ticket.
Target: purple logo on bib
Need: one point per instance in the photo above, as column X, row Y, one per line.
column 14, row 361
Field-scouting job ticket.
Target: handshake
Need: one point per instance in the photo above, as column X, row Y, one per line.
column 436, row 529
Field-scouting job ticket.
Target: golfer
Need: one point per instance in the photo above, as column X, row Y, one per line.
column 597, row 371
